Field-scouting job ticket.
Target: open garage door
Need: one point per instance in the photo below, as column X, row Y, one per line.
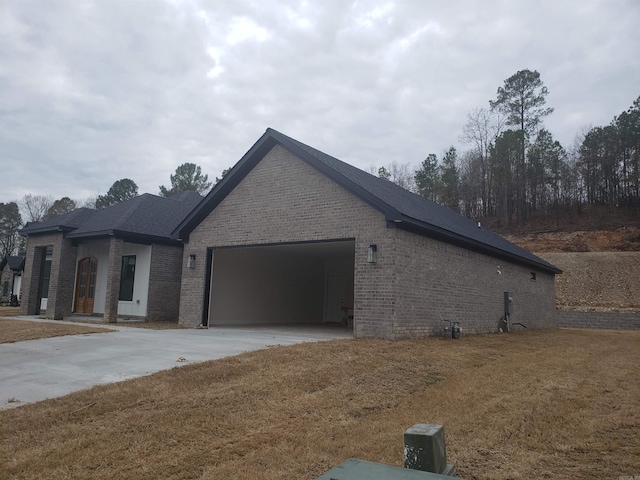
column 301, row 283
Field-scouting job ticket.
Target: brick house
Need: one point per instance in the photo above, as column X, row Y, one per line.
column 11, row 268
column 292, row 235
column 118, row 261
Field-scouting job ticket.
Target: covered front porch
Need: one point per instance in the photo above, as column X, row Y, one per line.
column 102, row 280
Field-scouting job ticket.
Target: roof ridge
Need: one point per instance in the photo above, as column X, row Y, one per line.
column 129, row 211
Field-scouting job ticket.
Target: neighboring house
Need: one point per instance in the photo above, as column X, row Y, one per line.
column 292, row 235
column 11, row 268
column 118, row 261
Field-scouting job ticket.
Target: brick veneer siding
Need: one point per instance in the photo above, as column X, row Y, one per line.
column 5, row 276
column 164, row 283
column 416, row 281
column 113, row 280
column 439, row 282
column 285, row 200
column 30, row 304
column 602, row 320
column 61, row 280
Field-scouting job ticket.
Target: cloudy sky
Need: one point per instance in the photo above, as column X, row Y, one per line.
column 93, row 91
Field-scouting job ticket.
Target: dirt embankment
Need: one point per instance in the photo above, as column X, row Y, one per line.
column 618, row 240
column 601, row 269
column 598, row 281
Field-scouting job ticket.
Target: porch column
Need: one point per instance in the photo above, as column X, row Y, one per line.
column 113, row 280
column 31, row 280
column 63, row 272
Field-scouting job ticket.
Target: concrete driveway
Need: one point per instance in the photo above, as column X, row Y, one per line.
column 34, row 370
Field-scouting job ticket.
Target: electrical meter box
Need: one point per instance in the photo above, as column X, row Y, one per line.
column 508, row 299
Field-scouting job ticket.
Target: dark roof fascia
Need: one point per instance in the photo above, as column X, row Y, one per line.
column 447, row 236
column 44, row 230
column 131, row 237
column 270, row 139
column 3, row 263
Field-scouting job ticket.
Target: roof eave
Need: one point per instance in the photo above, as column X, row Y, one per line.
column 25, row 232
column 438, row 233
column 132, row 237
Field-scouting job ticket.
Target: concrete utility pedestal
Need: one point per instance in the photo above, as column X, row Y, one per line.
column 424, row 449
column 425, row 458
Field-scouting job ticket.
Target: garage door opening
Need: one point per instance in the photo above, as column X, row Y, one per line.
column 301, row 284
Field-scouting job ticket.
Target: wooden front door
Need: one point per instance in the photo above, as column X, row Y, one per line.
column 86, row 285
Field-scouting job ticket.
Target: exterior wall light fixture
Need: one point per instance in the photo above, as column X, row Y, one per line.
column 191, row 261
column 372, row 253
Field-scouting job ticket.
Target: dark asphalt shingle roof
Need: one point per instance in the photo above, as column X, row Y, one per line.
column 146, row 217
column 14, row 262
column 65, row 222
column 401, row 207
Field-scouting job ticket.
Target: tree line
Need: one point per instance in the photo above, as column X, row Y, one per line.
column 515, row 168
column 37, row 208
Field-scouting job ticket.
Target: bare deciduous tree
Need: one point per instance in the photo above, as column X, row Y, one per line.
column 481, row 130
column 34, row 208
column 401, row 174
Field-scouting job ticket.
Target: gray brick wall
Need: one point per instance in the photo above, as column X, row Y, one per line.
column 61, row 282
column 113, row 280
column 284, row 200
column 440, row 282
column 164, row 283
column 63, row 274
column 32, row 268
column 6, row 276
column 415, row 284
column 603, row 320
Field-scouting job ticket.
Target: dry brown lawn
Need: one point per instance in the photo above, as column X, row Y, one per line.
column 20, row 330
column 9, row 311
column 560, row 404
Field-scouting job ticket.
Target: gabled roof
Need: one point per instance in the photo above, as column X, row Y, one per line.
column 402, row 209
column 145, row 218
column 15, row 262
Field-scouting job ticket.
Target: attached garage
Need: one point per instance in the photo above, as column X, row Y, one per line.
column 299, row 283
column 293, row 235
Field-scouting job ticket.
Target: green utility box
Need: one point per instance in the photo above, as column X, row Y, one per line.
column 425, row 458
column 354, row 469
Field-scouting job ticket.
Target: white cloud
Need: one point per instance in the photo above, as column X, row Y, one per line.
column 371, row 17
column 242, row 29
column 298, row 19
